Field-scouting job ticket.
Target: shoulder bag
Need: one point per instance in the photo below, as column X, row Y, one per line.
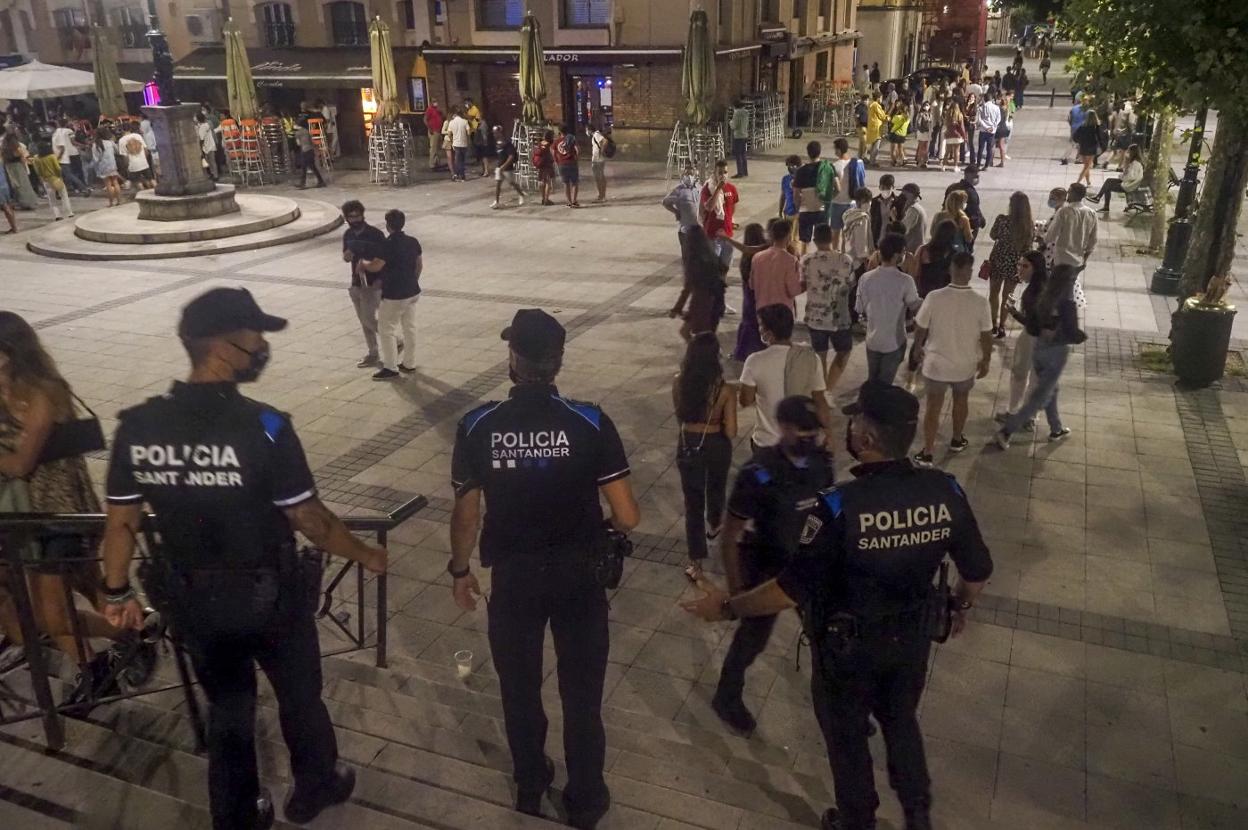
column 75, row 437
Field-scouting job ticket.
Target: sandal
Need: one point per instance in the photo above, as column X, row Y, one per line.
column 693, row 572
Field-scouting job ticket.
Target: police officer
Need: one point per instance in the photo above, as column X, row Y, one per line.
column 541, row 460
column 766, row 512
column 228, row 481
column 864, row 581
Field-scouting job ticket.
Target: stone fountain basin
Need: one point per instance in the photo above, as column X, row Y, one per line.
column 122, row 225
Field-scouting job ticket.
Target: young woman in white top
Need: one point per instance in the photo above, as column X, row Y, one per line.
column 1131, row 179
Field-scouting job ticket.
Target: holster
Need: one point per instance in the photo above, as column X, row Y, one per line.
column 608, row 558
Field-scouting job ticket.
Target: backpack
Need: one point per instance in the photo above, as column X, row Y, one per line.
column 608, row 147
column 855, row 175
column 828, row 184
column 860, row 112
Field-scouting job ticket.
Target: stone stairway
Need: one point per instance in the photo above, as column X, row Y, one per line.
column 430, row 753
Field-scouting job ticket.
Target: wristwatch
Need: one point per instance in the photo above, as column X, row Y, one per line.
column 962, row 606
column 450, row 569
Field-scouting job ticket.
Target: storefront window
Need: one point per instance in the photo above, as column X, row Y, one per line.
column 405, row 13
column 348, row 23
column 499, row 14
column 585, row 13
column 277, row 25
column 71, row 27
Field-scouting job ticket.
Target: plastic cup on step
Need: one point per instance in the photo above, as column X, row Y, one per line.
column 463, row 664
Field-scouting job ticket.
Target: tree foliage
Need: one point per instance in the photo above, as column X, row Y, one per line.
column 1171, row 53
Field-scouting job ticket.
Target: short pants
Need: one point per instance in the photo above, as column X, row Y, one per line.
column 961, row 387
column 806, row 222
column 841, row 341
column 836, row 215
column 570, row 173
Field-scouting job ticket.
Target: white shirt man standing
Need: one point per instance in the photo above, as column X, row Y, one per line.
column 987, row 119
column 1072, row 233
column 953, row 336
column 67, row 156
column 778, row 371
column 885, row 295
column 461, row 139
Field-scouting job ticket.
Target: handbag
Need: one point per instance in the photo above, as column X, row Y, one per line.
column 74, row 437
column 985, row 270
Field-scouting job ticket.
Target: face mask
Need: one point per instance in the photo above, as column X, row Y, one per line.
column 886, row 192
column 257, row 361
column 356, row 223
column 689, row 181
column 1053, row 204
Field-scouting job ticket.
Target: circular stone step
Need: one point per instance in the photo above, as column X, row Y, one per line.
column 121, row 225
column 59, row 241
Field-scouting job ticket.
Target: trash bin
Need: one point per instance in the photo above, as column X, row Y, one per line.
column 1200, row 338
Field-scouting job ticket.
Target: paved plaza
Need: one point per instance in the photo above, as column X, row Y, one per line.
column 1102, row 684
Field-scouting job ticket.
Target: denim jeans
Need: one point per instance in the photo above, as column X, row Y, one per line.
column 883, row 366
column 704, row 483
column 986, row 142
column 724, row 249
column 1048, row 360
column 460, row 155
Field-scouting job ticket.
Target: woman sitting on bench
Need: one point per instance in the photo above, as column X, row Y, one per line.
column 1129, row 183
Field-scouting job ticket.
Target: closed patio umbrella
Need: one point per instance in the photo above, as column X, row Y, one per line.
column 240, row 89
column 697, row 76
column 532, row 74
column 108, row 91
column 385, row 84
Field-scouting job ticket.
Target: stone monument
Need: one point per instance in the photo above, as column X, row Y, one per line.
column 183, row 189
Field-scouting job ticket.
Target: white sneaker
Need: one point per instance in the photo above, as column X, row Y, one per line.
column 521, row 202
column 495, row 205
column 730, row 310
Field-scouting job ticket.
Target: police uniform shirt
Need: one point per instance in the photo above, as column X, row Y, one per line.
column 217, row 468
column 890, row 527
column 540, row 459
column 774, row 494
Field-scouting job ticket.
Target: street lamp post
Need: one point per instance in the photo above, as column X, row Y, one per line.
column 162, row 60
column 1166, row 277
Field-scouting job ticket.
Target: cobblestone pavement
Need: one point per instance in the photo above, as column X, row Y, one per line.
column 1104, row 682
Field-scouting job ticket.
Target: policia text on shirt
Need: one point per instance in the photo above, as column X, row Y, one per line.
column 863, row 579
column 228, row 481
column 541, row 461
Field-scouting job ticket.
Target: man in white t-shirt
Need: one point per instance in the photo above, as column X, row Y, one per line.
column 460, row 141
column 777, row 372
column 953, row 333
column 843, row 197
column 66, row 153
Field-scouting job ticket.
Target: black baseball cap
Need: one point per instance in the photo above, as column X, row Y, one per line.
column 885, row 404
column 535, row 335
column 223, row 310
column 798, row 411
column 911, row 187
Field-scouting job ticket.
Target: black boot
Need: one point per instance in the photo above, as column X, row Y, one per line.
column 95, row 680
column 732, row 711
column 529, row 800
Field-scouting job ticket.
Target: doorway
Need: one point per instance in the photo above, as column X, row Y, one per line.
column 589, row 96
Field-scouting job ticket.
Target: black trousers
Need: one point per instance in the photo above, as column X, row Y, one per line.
column 526, row 595
column 739, row 155
column 880, row 676
column 1107, row 190
column 307, row 161
column 704, row 482
column 289, row 654
column 751, row 636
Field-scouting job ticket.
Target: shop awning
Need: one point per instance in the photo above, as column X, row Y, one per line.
column 568, row 56
column 338, row 68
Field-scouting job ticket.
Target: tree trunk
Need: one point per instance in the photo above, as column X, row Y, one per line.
column 1213, row 236
column 1157, row 172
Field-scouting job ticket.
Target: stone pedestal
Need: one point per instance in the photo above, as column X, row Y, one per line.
column 183, row 189
column 181, row 168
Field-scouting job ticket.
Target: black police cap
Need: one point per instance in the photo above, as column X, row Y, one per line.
column 885, row 403
column 223, row 310
column 798, row 411
column 535, row 335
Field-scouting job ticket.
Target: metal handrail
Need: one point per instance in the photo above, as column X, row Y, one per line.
column 19, row 525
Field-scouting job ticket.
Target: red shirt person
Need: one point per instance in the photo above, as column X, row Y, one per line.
column 717, row 203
